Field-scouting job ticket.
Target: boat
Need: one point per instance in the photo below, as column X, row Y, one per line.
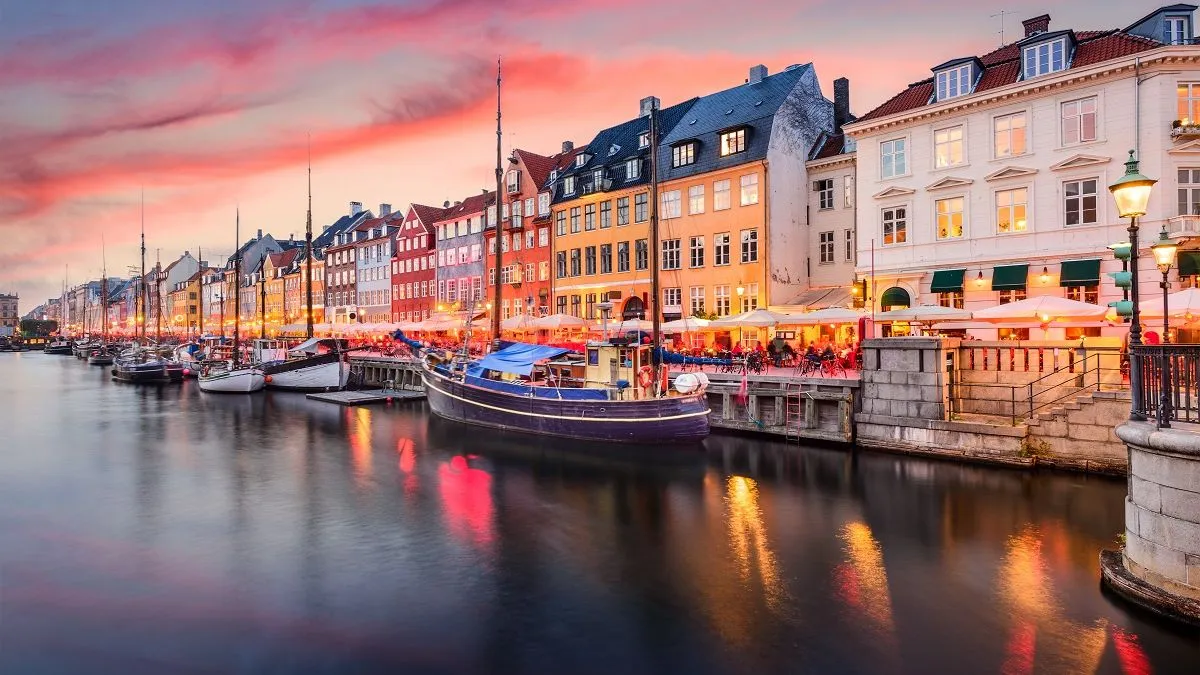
column 103, row 354
column 223, row 372
column 319, row 364
column 58, row 346
column 141, row 366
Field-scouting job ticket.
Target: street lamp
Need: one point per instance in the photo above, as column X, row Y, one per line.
column 1164, row 251
column 1131, row 193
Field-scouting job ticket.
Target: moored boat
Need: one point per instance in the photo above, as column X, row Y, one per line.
column 139, row 366
column 224, row 377
column 59, row 346
column 319, row 364
column 103, row 355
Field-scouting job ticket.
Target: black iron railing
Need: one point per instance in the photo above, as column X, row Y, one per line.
column 1170, row 387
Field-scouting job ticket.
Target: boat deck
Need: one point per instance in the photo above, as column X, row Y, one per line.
column 367, row 397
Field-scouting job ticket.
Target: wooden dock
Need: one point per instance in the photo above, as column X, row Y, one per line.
column 368, row 397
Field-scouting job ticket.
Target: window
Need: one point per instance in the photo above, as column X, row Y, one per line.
column 849, row 241
column 848, row 190
column 528, row 211
column 695, row 199
column 952, row 299
column 1010, row 210
column 622, row 256
column 1189, row 192
column 670, row 254
column 464, row 253
column 589, row 258
column 576, row 262
column 895, row 225
column 682, row 155
column 605, row 214
column 826, row 240
column 733, row 142
column 642, row 254
column 947, row 147
column 477, row 286
column 1079, row 197
column 949, row 217
column 1188, row 102
column 504, row 242
column 644, row 139
column 1175, row 30
column 623, row 211
column 954, row 82
column 544, row 270
column 574, row 220
column 824, row 190
column 721, row 300
column 529, row 239
column 575, row 305
column 605, row 258
column 721, row 249
column 598, row 180
column 750, row 297
column 633, row 169
column 1084, row 294
column 893, row 158
column 544, row 204
column 1009, row 135
column 1079, row 121
column 696, row 252
column 696, row 295
column 581, row 159
column 673, row 298
column 749, row 189
column 590, row 306
column 569, row 185
column 1045, row 58
column 513, row 181
column 671, row 205
column 749, row 246
column 451, row 291
column 560, row 224
column 561, row 301
column 641, row 207
column 560, row 260
column 517, row 215
column 516, row 241
column 1011, row 296
column 543, row 237
column 589, row 217
column 720, row 195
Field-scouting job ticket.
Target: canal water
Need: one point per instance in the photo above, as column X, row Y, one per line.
column 148, row 530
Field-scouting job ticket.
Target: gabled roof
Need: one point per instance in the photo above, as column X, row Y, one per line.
column 343, row 224
column 538, row 166
column 1002, row 67
column 285, row 258
column 829, row 145
column 476, row 203
column 428, row 214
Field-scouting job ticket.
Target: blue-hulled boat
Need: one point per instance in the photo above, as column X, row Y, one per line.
column 515, row 388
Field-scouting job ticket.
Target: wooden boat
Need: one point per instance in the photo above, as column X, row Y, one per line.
column 140, row 366
column 223, row 377
column 58, row 346
column 319, row 364
column 103, row 355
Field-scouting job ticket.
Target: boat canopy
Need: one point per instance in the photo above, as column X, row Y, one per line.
column 516, row 358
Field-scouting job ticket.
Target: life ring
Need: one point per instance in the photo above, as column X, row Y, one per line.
column 645, row 377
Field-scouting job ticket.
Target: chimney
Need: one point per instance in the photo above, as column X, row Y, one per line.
column 385, row 210
column 757, row 73
column 355, row 208
column 446, row 204
column 260, row 234
column 646, row 105
column 567, row 146
column 841, row 103
column 1038, row 24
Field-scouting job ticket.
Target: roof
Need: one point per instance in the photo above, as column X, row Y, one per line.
column 1169, row 9
column 343, row 224
column 751, row 106
column 285, row 258
column 428, row 214
column 538, row 166
column 476, row 203
column 1002, row 67
column 829, row 145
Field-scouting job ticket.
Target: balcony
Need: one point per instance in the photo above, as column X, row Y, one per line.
column 1185, row 130
column 1184, row 225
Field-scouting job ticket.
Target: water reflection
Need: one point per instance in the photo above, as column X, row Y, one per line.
column 748, row 539
column 358, row 429
column 466, row 493
column 862, row 580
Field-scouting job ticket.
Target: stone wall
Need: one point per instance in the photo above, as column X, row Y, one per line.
column 1162, row 510
column 1081, row 434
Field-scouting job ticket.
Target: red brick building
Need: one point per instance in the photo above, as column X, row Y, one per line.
column 414, row 267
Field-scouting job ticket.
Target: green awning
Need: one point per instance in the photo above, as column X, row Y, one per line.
column 895, row 297
column 1189, row 263
column 1080, row 273
column 947, row 281
column 1009, row 277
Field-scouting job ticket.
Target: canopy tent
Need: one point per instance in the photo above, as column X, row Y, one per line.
column 832, row 315
column 1183, row 304
column 518, row 322
column 755, row 318
column 517, row 358
column 1043, row 308
column 823, row 298
column 559, row 322
column 923, row 314
column 688, row 324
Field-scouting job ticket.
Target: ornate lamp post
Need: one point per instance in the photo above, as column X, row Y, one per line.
column 1132, row 193
column 1164, row 251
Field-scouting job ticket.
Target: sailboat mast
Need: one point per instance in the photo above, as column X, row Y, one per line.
column 140, row 315
column 103, row 292
column 655, row 291
column 157, row 295
column 200, row 294
column 499, row 289
column 262, row 300
column 308, row 249
column 237, row 284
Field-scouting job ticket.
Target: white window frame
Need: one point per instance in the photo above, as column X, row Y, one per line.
column 1175, row 30
column 722, row 194
column 1078, row 125
column 732, row 142
column 683, row 154
column 672, row 204
column 848, row 242
column 633, row 169
column 955, row 82
column 1187, row 108
column 962, row 215
column 727, row 246
column 696, row 251
column 695, row 199
column 996, row 132
column 826, row 248
column 1078, row 201
column 748, row 194
column 1043, row 58
column 1013, row 207
column 943, row 139
column 902, row 219
column 894, row 148
column 672, row 254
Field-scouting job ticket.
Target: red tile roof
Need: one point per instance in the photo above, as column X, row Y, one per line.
column 429, row 214
column 831, row 147
column 1002, row 67
column 284, row 258
column 538, row 166
column 473, row 204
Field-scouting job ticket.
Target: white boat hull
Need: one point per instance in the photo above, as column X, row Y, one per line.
column 319, row 377
column 237, row 381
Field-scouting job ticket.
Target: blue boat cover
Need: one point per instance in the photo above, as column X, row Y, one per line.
column 521, row 389
column 517, row 358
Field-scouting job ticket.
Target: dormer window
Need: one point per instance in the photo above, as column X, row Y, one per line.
column 644, row 140
column 956, row 81
column 1045, row 57
column 581, row 159
column 633, row 169
column 569, row 185
column 683, row 154
column 598, row 178
column 733, row 142
column 613, row 149
column 1175, row 30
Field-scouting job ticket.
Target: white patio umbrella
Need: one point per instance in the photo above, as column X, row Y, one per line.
column 626, row 326
column 923, row 314
column 688, row 324
column 559, row 322
column 1044, row 308
column 1183, row 304
column 755, row 318
column 837, row 315
column 519, row 322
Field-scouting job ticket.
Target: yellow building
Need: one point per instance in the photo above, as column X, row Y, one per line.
column 183, row 306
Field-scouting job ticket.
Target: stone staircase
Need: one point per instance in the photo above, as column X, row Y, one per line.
column 1080, row 433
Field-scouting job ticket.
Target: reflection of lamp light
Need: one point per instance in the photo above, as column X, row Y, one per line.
column 1045, row 274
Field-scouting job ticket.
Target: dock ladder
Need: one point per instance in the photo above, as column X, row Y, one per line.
column 798, row 408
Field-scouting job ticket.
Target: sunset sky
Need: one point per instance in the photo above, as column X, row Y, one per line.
column 207, row 105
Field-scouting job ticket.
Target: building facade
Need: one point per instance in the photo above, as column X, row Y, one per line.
column 832, row 248
column 373, row 260
column 986, row 183
column 459, row 252
column 414, row 264
column 10, row 313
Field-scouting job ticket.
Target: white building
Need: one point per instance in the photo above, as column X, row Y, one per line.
column 988, row 182
column 373, row 257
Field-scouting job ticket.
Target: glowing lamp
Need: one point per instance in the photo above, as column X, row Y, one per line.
column 979, row 278
column 1164, row 251
column 1045, row 274
column 1132, row 191
column 741, row 290
column 1045, row 318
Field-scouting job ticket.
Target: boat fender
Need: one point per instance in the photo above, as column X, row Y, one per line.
column 645, row 376
column 268, row 379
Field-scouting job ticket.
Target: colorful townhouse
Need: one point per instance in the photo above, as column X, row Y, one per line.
column 986, row 181
column 414, row 264
column 275, row 268
column 526, row 234
column 460, row 252
column 336, row 242
column 373, row 263
column 295, row 289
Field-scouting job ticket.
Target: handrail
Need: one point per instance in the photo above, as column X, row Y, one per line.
column 1078, row 370
column 1170, row 383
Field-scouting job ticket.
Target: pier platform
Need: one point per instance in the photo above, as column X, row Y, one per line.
column 367, row 397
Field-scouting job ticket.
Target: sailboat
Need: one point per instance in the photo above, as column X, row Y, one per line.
column 524, row 387
column 104, row 353
column 141, row 364
column 225, row 373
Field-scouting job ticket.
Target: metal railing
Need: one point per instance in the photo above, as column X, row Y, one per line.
column 1079, row 376
column 1170, row 383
